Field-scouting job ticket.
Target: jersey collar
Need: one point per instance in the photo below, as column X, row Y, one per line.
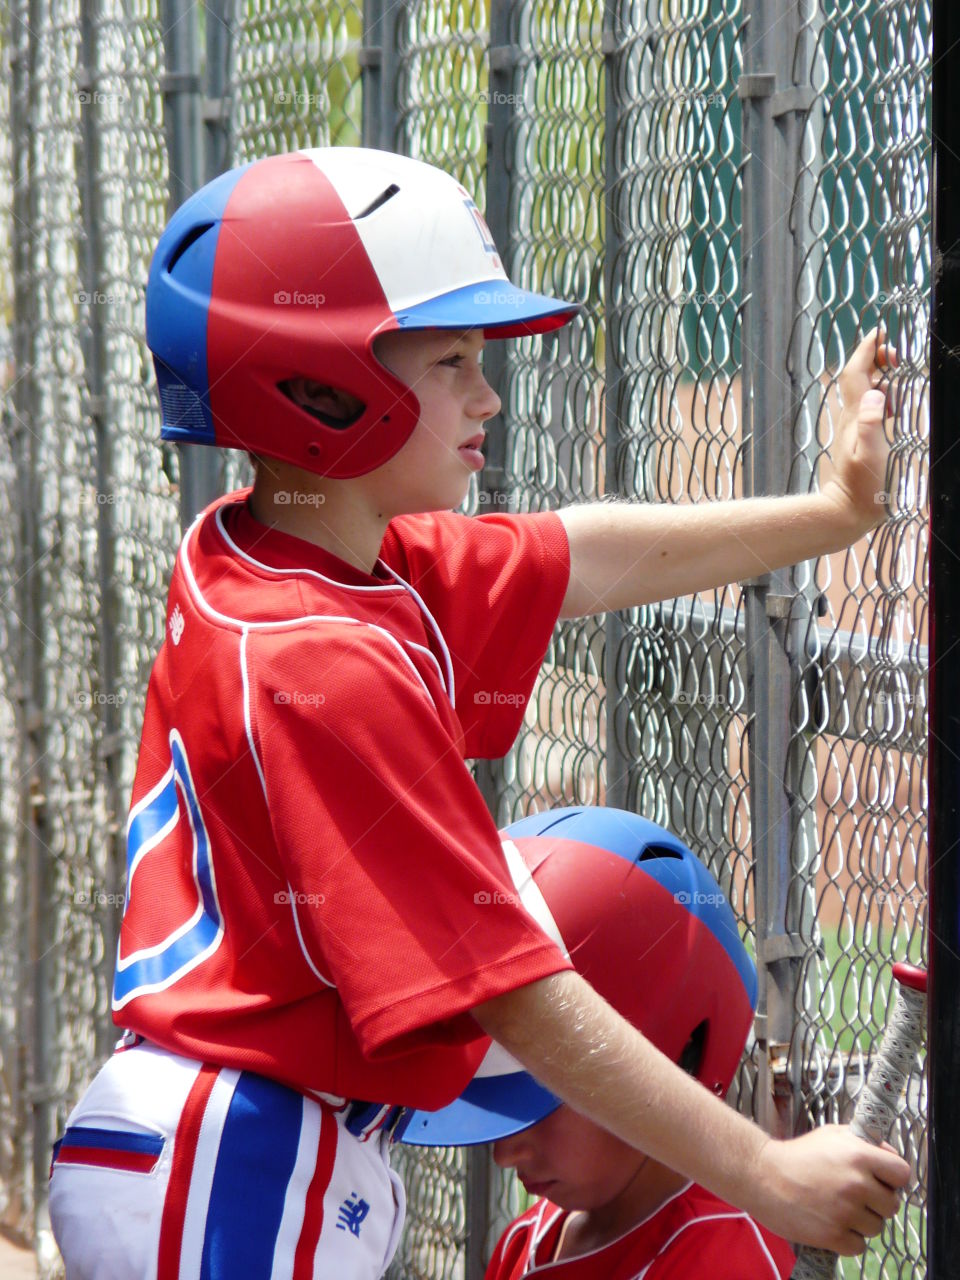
column 273, row 549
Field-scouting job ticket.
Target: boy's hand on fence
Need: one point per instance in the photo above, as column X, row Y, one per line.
column 829, row 1188
column 861, row 450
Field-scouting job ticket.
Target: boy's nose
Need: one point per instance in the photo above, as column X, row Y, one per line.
column 507, row 1151
column 486, row 402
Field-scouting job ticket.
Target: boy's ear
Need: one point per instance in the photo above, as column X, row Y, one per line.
column 330, row 405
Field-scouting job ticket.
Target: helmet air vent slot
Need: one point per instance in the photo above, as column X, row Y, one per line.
column 659, row 851
column 380, row 201
column 192, row 236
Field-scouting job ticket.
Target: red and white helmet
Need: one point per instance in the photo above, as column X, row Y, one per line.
column 647, row 925
column 290, row 267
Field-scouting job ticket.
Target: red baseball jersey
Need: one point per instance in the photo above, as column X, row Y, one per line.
column 693, row 1234
column 315, row 888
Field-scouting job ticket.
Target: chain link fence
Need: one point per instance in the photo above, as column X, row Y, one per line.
column 735, row 191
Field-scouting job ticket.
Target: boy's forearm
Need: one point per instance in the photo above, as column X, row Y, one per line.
column 616, row 1078
column 627, row 554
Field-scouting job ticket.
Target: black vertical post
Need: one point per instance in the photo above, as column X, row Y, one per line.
column 943, row 1209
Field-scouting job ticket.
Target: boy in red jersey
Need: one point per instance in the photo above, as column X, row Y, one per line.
column 304, row 954
column 648, row 926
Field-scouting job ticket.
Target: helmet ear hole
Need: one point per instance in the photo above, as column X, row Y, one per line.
column 691, row 1055
column 330, row 405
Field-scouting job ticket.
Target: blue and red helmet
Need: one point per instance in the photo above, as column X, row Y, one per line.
column 647, row 925
column 291, row 266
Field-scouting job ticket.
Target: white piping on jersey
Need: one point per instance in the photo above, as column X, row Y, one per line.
column 241, row 624
column 539, row 1227
column 714, row 1217
column 427, row 653
column 539, row 1230
column 291, row 896
column 399, row 584
column 297, row 573
column 448, row 662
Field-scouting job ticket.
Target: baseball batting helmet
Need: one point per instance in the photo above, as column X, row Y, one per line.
column 647, row 925
column 290, row 267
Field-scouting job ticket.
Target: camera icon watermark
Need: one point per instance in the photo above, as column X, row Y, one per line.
column 684, row 898
column 96, row 298
column 97, row 699
column 883, row 698
column 298, row 98
column 293, row 897
column 486, row 898
column 298, row 298
column 683, row 699
column 298, row 698
column 495, row 98
column 497, row 698
column 97, row 98
column 296, row 498
column 98, row 899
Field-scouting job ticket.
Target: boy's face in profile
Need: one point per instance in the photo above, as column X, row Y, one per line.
column 572, row 1161
column 432, row 471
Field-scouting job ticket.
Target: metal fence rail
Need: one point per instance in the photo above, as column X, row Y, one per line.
column 734, row 189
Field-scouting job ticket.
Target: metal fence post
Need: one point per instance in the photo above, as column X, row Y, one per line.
column 183, row 114
column 216, row 104
column 776, row 614
column 379, row 67
column 504, row 59
column 30, row 1063
column 110, row 740
column 618, row 704
column 505, row 56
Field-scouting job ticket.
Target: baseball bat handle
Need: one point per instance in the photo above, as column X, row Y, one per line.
column 879, row 1099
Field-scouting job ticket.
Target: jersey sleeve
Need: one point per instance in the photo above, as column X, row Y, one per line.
column 403, row 897
column 494, row 584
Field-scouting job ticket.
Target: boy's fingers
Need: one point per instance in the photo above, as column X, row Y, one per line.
column 872, row 405
column 885, row 1201
column 890, row 1168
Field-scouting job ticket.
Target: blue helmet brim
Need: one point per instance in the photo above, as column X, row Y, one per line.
column 490, row 1107
column 499, row 308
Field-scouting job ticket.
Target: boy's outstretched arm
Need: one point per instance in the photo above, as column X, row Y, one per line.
column 628, row 554
column 826, row 1188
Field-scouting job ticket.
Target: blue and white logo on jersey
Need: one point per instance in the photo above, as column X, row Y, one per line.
column 195, row 926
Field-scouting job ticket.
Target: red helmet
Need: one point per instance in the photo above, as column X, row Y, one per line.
column 648, row 926
column 290, row 267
